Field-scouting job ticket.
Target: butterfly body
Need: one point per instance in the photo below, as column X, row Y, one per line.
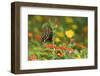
column 47, row 35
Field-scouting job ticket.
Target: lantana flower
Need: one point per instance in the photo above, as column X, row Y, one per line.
column 60, row 34
column 68, row 19
column 69, row 33
column 30, row 34
column 57, row 39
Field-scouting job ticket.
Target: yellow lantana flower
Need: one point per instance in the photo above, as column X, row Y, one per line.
column 57, row 39
column 74, row 26
column 69, row 33
column 69, row 20
column 60, row 34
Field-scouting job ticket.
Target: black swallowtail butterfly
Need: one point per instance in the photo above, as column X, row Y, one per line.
column 47, row 35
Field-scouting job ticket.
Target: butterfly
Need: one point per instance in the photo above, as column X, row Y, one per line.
column 47, row 35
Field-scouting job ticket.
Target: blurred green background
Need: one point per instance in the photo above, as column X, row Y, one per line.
column 70, row 37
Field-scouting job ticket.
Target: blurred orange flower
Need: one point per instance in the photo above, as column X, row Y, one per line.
column 50, row 46
column 30, row 34
column 37, row 37
column 32, row 57
column 85, row 29
column 60, row 54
